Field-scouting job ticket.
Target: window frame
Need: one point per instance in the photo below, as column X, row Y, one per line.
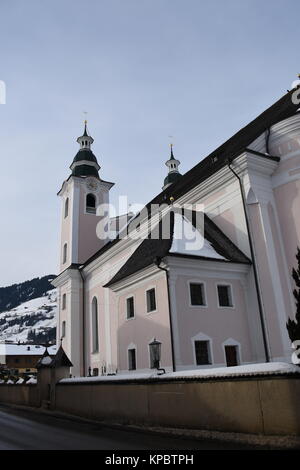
column 65, row 253
column 146, row 299
column 126, row 307
column 63, row 329
column 233, row 342
column 66, row 208
column 91, row 212
column 231, row 297
column 95, row 347
column 194, row 281
column 64, row 301
column 200, row 336
column 209, row 355
column 131, row 347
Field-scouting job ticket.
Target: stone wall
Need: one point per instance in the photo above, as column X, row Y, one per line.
column 27, row 395
column 263, row 405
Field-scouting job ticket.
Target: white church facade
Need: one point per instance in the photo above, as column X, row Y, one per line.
column 224, row 303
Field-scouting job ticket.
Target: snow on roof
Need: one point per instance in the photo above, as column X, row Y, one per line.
column 46, row 360
column 271, row 368
column 187, row 240
column 25, row 350
column 31, row 381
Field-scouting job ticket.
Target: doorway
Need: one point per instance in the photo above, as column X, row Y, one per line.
column 231, row 353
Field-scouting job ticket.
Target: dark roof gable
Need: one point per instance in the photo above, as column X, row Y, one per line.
column 152, row 249
column 61, row 359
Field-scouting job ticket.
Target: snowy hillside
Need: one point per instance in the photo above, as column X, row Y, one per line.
column 16, row 294
column 32, row 321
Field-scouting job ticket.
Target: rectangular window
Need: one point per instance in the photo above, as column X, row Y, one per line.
column 197, row 294
column 131, row 359
column 202, row 353
column 64, row 301
column 225, row 296
column 130, row 307
column 151, row 300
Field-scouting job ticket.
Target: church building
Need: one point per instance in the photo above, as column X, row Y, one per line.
column 216, row 289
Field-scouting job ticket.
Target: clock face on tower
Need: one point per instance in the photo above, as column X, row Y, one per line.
column 91, row 184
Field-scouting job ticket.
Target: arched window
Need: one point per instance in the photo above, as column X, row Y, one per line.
column 65, row 252
column 63, row 329
column 91, row 204
column 67, row 207
column 95, row 329
column 64, row 301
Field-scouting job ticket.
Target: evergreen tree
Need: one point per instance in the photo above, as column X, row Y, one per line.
column 293, row 326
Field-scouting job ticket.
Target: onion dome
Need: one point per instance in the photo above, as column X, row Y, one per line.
column 85, row 162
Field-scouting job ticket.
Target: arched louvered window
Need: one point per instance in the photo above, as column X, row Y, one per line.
column 95, row 328
column 91, row 204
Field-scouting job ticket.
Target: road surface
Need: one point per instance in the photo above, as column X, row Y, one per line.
column 30, row 430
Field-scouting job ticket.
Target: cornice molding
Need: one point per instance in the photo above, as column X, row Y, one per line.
column 70, row 274
column 84, row 162
column 202, row 265
column 285, row 127
column 137, row 278
column 250, row 163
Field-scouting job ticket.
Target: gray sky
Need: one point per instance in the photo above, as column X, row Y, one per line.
column 143, row 69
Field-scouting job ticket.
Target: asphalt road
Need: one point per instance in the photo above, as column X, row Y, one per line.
column 27, row 430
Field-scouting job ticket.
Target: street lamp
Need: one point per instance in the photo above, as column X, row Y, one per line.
column 155, row 354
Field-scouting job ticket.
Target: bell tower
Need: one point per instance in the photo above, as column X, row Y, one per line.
column 81, row 194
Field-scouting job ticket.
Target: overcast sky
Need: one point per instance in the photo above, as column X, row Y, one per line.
column 144, row 70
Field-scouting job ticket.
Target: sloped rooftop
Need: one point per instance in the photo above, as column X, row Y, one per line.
column 179, row 234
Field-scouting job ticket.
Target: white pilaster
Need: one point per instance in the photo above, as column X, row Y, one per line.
column 174, row 317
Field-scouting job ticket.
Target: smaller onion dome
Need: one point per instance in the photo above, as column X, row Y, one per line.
column 174, row 174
